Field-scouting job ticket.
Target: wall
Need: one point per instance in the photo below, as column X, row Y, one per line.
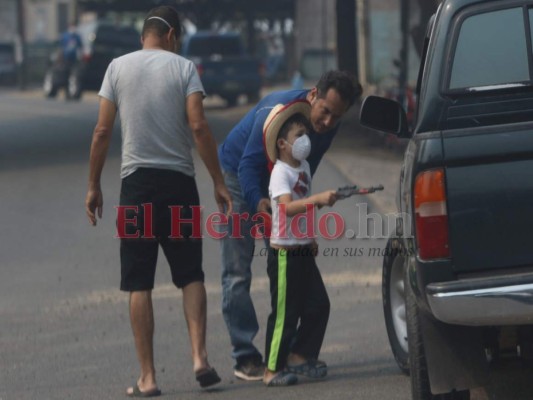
column 315, row 29
column 385, row 42
column 43, row 22
column 8, row 20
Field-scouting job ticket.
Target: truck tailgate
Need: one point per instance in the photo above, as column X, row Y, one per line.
column 489, row 179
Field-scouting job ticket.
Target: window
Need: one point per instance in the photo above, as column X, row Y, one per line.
column 491, row 50
column 206, row 46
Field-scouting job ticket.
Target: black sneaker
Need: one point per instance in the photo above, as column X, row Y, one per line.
column 250, row 370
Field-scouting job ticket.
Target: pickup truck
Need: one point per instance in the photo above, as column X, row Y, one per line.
column 223, row 65
column 458, row 269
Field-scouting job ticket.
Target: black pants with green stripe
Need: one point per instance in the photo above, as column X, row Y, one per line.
column 300, row 307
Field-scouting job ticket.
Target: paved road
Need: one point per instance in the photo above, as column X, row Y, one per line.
column 64, row 330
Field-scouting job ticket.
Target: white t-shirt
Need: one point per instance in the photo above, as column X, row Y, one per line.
column 296, row 182
column 149, row 88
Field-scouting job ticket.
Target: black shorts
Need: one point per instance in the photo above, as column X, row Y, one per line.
column 159, row 189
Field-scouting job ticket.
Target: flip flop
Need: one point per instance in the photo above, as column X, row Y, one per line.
column 207, row 377
column 283, row 378
column 311, row 368
column 137, row 392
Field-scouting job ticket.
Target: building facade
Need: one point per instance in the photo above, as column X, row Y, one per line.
column 8, row 21
column 35, row 20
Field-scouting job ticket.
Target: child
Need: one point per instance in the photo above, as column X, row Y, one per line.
column 297, row 291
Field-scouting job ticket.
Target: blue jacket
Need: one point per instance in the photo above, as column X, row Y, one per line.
column 242, row 153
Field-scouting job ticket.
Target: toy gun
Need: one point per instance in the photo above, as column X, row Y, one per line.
column 347, row 191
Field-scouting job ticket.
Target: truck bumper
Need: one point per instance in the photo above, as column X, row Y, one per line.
column 494, row 301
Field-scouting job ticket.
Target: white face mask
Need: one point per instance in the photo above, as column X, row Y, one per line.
column 301, row 148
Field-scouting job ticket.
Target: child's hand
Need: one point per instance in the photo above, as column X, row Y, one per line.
column 327, row 198
column 264, row 206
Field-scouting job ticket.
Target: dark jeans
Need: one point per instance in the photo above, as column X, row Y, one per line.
column 297, row 294
column 237, row 256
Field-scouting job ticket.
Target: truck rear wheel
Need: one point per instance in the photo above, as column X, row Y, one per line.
column 231, row 100
column 74, row 87
column 49, row 84
column 253, row 97
column 393, row 296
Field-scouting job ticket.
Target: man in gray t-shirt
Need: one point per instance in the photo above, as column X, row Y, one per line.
column 159, row 95
column 160, row 81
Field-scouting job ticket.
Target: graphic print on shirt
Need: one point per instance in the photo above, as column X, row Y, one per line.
column 301, row 188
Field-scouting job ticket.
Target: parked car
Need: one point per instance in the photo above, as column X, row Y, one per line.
column 8, row 67
column 458, row 270
column 224, row 67
column 102, row 42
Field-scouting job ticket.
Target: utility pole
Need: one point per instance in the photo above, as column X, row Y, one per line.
column 250, row 30
column 75, row 15
column 324, row 35
column 347, row 52
column 23, row 53
column 404, row 52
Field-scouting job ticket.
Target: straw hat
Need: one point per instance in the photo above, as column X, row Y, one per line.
column 275, row 120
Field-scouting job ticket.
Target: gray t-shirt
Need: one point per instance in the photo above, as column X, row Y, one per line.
column 149, row 88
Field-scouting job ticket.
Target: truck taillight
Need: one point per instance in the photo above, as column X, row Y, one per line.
column 262, row 70
column 431, row 215
column 200, row 69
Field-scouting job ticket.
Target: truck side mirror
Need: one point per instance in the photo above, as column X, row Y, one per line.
column 384, row 115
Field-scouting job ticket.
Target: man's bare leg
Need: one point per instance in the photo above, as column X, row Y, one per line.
column 195, row 309
column 142, row 325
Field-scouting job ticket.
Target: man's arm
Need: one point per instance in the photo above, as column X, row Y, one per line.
column 100, row 144
column 320, row 143
column 253, row 165
column 207, row 148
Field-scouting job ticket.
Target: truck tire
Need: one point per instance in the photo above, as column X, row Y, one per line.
column 393, row 297
column 49, row 84
column 231, row 100
column 253, row 97
column 74, row 87
column 420, row 386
